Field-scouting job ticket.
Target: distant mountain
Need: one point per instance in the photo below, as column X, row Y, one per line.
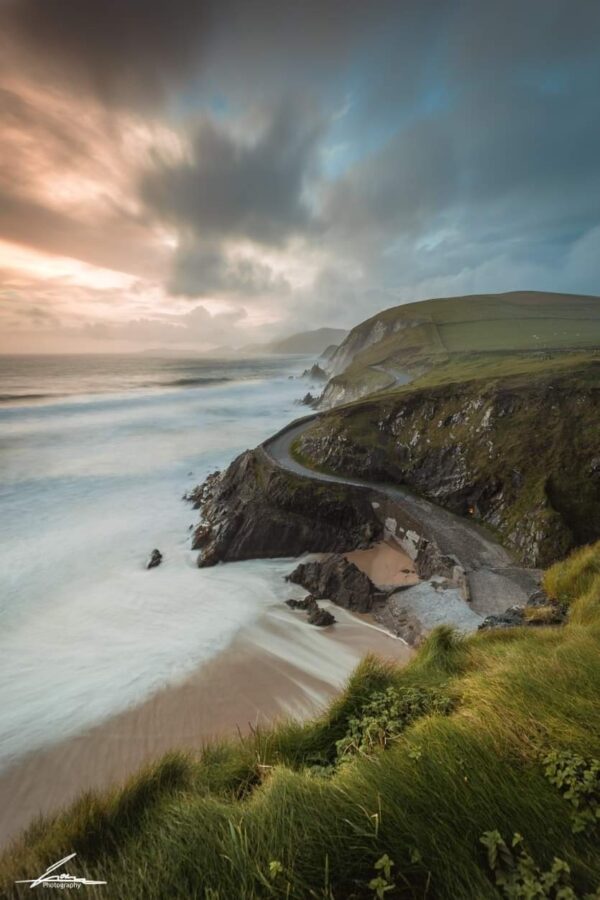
column 307, row 341
column 304, row 342
column 168, row 352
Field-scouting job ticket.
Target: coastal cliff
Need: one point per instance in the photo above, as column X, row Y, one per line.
column 255, row 510
column 520, row 454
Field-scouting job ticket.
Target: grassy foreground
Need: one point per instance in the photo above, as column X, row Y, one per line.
column 322, row 810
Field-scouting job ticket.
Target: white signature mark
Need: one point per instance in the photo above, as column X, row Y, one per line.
column 60, row 881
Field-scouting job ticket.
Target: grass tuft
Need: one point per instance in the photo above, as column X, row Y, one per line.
column 575, row 576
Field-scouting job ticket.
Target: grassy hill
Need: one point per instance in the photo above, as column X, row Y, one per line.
column 415, row 783
column 418, row 337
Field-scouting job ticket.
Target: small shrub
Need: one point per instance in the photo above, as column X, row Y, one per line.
column 382, row 883
column 275, row 869
column 386, row 715
column 578, row 780
column 518, row 877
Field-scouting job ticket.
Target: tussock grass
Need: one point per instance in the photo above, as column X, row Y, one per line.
column 575, row 576
column 541, row 615
column 271, row 816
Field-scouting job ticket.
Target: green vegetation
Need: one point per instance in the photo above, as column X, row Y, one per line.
column 460, row 338
column 463, row 367
column 577, row 576
column 519, row 877
column 387, row 715
column 492, row 735
column 578, row 780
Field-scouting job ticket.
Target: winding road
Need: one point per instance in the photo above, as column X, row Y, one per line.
column 495, row 581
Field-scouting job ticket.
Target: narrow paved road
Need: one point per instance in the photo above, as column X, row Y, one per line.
column 495, row 581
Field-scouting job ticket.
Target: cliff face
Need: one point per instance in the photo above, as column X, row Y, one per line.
column 344, row 389
column 521, row 455
column 256, row 510
column 365, row 335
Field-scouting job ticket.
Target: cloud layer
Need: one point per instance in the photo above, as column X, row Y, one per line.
column 275, row 165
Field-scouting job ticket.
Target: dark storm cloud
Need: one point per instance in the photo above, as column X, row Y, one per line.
column 233, row 186
column 205, row 270
column 136, row 50
column 124, row 50
column 439, row 146
column 400, row 187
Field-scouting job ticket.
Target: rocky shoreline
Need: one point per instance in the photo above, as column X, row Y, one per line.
column 256, row 509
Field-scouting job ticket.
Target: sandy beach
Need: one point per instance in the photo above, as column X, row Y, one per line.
column 279, row 667
column 385, row 564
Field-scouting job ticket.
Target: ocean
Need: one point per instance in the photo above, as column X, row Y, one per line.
column 95, row 455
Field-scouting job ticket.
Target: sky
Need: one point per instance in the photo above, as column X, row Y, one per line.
column 191, row 174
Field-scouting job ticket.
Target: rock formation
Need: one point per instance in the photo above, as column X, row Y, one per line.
column 316, row 615
column 255, row 510
column 156, row 558
column 315, row 373
column 338, row 580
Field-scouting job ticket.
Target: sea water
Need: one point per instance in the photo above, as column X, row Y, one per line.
column 95, row 455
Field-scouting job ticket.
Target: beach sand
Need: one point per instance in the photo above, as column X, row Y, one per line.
column 279, row 667
column 385, row 564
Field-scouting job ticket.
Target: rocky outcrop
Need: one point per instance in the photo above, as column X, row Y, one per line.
column 338, row 580
column 520, row 455
column 308, row 400
column 155, row 559
column 316, row 615
column 315, row 373
column 256, row 510
column 539, row 610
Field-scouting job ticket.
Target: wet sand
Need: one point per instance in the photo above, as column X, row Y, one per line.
column 280, row 667
column 385, row 564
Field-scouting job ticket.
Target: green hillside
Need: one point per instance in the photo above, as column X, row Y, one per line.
column 417, row 337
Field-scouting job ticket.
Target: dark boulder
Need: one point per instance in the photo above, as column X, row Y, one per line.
column 303, row 604
column 155, row 559
column 320, row 617
column 316, row 615
column 338, row 580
